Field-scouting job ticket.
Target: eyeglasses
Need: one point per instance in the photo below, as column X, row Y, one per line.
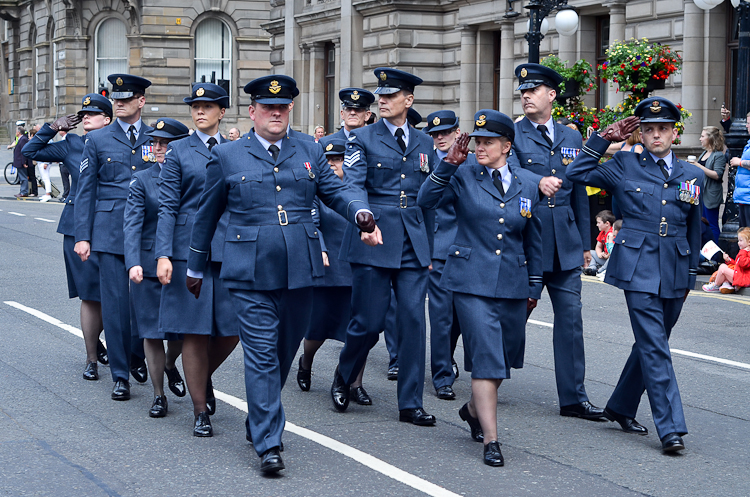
column 163, row 142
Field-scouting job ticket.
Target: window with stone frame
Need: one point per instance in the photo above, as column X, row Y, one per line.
column 213, row 54
column 111, row 51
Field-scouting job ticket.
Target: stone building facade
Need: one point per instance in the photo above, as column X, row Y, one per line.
column 466, row 51
column 56, row 51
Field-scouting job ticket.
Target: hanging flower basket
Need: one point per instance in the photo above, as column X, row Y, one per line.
column 639, row 66
column 577, row 80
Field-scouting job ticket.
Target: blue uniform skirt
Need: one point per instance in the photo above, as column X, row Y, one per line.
column 494, row 333
column 83, row 277
column 331, row 312
column 145, row 297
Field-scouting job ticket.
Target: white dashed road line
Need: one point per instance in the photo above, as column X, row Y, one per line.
column 45, row 220
column 16, row 214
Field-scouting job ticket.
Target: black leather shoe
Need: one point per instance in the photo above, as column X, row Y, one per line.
column 446, row 393
column 210, row 398
column 121, row 391
column 138, row 369
column 455, row 367
column 416, row 416
column 91, row 372
column 270, row 461
column 339, row 392
column 202, row 426
column 101, row 353
column 303, row 376
column 589, row 271
column 176, row 383
column 672, row 443
column 476, row 429
column 159, row 407
column 629, row 425
column 492, row 454
column 360, row 396
column 584, row 410
column 393, row 373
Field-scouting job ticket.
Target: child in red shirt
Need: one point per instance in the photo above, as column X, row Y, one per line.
column 727, row 279
column 600, row 255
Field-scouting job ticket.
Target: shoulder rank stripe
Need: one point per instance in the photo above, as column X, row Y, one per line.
column 352, row 159
column 84, row 164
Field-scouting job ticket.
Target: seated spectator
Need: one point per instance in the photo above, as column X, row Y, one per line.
column 730, row 278
column 632, row 144
column 610, row 243
column 599, row 256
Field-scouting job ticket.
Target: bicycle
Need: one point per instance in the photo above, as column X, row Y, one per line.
column 11, row 174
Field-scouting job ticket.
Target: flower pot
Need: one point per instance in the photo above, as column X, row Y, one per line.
column 655, row 84
column 572, row 90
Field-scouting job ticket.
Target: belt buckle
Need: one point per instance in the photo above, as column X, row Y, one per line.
column 665, row 226
column 553, row 198
column 402, row 201
column 285, row 220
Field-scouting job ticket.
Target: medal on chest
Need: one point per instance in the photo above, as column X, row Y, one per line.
column 568, row 154
column 689, row 192
column 308, row 166
column 524, row 207
column 424, row 163
column 147, row 153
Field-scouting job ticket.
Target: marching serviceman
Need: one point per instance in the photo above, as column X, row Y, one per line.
column 83, row 278
column 546, row 148
column 141, row 216
column 272, row 253
column 209, row 325
column 355, row 110
column 390, row 160
column 655, row 257
column 110, row 158
column 494, row 269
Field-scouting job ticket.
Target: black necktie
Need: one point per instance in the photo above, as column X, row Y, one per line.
column 400, row 139
column 498, row 182
column 663, row 166
column 543, row 130
column 131, row 130
column 274, row 151
column 211, row 143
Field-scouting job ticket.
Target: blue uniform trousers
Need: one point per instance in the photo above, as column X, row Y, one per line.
column 272, row 324
column 649, row 366
column 371, row 297
column 390, row 334
column 114, row 284
column 444, row 328
column 564, row 288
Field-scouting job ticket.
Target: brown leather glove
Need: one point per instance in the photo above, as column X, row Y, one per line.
column 621, row 130
column 459, row 150
column 66, row 123
column 194, row 285
column 366, row 222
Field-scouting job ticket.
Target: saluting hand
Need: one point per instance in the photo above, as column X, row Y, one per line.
column 621, row 130
column 459, row 151
column 194, row 285
column 164, row 271
column 66, row 123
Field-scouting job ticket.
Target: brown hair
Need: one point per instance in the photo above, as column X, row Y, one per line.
column 715, row 138
column 606, row 216
column 634, row 138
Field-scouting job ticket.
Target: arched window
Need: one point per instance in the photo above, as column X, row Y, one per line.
column 111, row 49
column 213, row 53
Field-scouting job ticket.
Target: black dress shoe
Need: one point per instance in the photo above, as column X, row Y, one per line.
column 176, row 383
column 91, row 372
column 339, row 392
column 270, row 461
column 672, row 443
column 476, row 429
column 492, row 454
column 101, row 353
column 121, row 391
column 360, row 396
column 393, row 373
column 303, row 376
column 446, row 393
column 416, row 416
column 455, row 367
column 202, row 426
column 159, row 407
column 584, row 410
column 138, row 369
column 589, row 271
column 210, row 398
column 629, row 425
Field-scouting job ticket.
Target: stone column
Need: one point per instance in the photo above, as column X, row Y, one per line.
column 693, row 63
column 616, row 33
column 316, row 88
column 350, row 72
column 302, row 116
column 568, row 47
column 507, row 65
column 468, row 88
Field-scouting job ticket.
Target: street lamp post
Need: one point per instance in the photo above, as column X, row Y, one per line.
column 566, row 22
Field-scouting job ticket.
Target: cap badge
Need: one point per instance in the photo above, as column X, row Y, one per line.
column 524, row 72
column 118, row 81
column 481, row 121
column 87, row 101
column 655, row 107
column 355, row 95
column 329, row 147
column 160, row 125
column 436, row 121
column 200, row 91
column 275, row 87
column 383, row 76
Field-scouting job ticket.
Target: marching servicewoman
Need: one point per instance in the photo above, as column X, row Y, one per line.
column 494, row 265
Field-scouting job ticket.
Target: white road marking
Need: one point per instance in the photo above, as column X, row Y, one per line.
column 540, row 323
column 363, row 458
column 16, row 214
column 45, row 220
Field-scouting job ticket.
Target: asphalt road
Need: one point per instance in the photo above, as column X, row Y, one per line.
column 61, row 435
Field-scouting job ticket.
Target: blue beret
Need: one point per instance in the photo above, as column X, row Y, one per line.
column 442, row 120
column 208, row 92
column 394, row 80
column 126, row 85
column 93, row 102
column 489, row 122
column 168, row 128
column 356, row 97
column 273, row 89
column 657, row 110
column 533, row 75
